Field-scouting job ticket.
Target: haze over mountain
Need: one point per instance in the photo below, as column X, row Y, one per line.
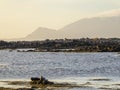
column 101, row 27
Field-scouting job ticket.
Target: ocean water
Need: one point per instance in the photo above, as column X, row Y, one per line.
column 95, row 71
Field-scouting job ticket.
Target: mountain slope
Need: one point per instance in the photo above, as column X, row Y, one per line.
column 93, row 27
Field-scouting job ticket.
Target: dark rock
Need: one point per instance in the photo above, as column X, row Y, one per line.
column 41, row 80
column 35, row 79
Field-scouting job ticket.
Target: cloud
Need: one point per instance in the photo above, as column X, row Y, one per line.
column 111, row 13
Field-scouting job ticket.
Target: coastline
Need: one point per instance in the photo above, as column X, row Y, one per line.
column 92, row 83
column 66, row 51
column 25, row 85
column 66, row 45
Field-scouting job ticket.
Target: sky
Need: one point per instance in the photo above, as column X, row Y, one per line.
column 19, row 18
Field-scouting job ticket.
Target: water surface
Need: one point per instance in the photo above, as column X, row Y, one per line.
column 99, row 70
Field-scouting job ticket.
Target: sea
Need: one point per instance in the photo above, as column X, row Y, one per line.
column 95, row 71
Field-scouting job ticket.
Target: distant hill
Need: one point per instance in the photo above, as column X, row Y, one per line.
column 41, row 34
column 105, row 27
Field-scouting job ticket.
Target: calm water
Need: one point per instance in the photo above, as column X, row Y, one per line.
column 78, row 68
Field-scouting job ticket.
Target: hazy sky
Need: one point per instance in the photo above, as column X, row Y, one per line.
column 21, row 17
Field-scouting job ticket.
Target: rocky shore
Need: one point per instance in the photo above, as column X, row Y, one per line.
column 38, row 83
column 42, row 83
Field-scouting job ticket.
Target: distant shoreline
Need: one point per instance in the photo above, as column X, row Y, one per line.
column 58, row 50
column 65, row 45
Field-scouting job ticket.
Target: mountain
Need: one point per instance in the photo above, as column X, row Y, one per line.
column 95, row 27
column 42, row 33
column 106, row 27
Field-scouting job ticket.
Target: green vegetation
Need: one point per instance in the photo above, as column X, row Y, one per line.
column 67, row 45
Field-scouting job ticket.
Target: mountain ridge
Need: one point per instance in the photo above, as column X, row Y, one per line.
column 106, row 27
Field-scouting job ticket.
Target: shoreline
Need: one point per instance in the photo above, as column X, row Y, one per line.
column 25, row 85
column 22, row 50
column 95, row 83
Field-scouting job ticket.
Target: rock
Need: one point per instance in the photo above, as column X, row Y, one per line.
column 41, row 80
column 35, row 78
